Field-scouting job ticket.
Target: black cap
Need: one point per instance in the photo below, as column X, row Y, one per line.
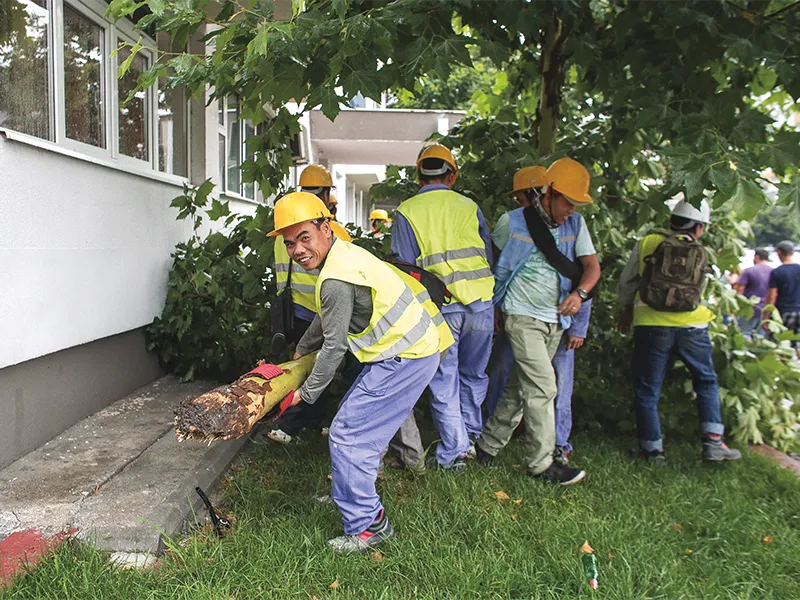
column 785, row 246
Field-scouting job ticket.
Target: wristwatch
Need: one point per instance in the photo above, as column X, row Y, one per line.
column 583, row 294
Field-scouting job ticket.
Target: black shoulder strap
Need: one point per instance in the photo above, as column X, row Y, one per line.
column 546, row 243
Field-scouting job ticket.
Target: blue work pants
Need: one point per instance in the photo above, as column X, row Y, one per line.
column 371, row 412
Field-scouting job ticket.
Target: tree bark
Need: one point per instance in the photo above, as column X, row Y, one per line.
column 230, row 411
column 551, row 68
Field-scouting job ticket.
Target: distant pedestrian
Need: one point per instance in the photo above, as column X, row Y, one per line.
column 784, row 290
column 754, row 281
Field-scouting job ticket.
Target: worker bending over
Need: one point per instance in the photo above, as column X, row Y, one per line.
column 363, row 305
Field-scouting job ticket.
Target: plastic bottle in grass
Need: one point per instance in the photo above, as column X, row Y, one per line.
column 589, row 564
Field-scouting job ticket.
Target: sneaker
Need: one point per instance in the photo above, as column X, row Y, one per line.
column 714, row 450
column 471, row 453
column 483, row 457
column 376, row 534
column 560, row 474
column 458, row 466
column 280, row 436
column 657, row 457
column 561, row 455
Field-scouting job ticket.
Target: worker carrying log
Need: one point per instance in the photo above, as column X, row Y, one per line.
column 362, row 305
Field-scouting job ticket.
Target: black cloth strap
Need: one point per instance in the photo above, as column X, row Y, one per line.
column 546, row 243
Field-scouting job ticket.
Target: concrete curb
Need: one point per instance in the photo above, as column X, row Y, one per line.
column 783, row 460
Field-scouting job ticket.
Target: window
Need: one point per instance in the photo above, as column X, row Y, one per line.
column 233, row 135
column 58, row 82
column 24, row 72
column 84, row 60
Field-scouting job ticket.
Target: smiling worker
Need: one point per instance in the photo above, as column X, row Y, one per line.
column 362, row 305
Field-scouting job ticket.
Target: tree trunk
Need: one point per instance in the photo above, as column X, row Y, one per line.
column 551, row 68
column 230, row 411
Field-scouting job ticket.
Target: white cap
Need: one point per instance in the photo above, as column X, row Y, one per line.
column 688, row 211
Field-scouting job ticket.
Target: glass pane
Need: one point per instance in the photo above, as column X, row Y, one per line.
column 234, row 145
column 248, row 189
column 83, row 78
column 133, row 138
column 24, row 82
column 221, row 142
column 173, row 130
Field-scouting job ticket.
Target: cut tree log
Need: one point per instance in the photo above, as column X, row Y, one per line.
column 230, row 411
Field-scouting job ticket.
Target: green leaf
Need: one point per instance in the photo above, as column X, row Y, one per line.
column 126, row 64
column 789, row 194
column 122, row 8
column 258, row 45
column 748, row 199
column 340, row 8
column 218, row 209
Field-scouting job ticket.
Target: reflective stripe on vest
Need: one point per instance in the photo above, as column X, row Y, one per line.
column 399, row 326
column 446, row 338
column 446, row 228
column 646, row 315
column 304, row 283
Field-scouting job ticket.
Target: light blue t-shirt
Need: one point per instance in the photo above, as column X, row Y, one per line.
column 535, row 290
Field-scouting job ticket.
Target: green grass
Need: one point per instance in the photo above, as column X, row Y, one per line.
column 687, row 530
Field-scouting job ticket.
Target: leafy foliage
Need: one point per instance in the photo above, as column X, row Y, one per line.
column 655, row 98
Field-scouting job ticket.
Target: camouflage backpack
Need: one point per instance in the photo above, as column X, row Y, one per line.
column 674, row 275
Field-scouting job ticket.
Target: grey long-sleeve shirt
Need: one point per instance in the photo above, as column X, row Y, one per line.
column 345, row 307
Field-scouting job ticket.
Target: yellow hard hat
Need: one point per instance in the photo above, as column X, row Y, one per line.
column 529, row 177
column 437, row 151
column 571, row 179
column 298, row 207
column 332, row 200
column 315, row 176
column 379, row 213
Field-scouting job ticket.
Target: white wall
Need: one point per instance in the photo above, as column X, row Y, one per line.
column 84, row 250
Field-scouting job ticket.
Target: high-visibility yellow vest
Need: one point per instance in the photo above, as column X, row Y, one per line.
column 303, row 282
column 645, row 315
column 446, row 338
column 445, row 224
column 399, row 326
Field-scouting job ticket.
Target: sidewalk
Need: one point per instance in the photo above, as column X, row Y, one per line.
column 119, row 476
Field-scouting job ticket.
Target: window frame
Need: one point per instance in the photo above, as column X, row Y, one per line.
column 222, row 133
column 112, row 33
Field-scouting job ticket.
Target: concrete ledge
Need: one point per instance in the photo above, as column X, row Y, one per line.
column 784, row 460
column 120, row 476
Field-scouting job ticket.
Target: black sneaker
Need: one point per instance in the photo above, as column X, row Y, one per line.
column 482, row 456
column 656, row 457
column 560, row 474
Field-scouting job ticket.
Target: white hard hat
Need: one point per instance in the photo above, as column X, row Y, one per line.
column 688, row 211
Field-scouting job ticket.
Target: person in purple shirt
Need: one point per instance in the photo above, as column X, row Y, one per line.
column 754, row 281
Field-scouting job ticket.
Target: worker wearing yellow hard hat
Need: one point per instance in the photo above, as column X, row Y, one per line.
column 445, row 233
column 528, row 185
column 546, row 269
column 364, row 306
column 291, row 316
column 333, row 205
column 379, row 217
column 315, row 179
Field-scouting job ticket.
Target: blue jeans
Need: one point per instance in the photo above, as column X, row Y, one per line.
column 653, row 348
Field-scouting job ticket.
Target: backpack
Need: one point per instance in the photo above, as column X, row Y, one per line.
column 436, row 288
column 674, row 275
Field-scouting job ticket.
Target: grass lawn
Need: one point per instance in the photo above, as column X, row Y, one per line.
column 686, row 530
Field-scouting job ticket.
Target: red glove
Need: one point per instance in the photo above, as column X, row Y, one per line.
column 286, row 403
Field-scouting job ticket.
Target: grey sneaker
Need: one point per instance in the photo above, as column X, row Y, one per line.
column 714, row 450
column 458, row 466
column 379, row 532
column 656, row 457
column 561, row 455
